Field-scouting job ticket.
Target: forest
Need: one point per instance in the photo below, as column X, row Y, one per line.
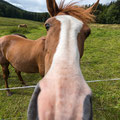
column 8, row 10
column 105, row 14
column 108, row 14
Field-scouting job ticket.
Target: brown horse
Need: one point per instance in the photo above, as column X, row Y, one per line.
column 23, row 54
column 6, row 74
column 22, row 25
column 63, row 94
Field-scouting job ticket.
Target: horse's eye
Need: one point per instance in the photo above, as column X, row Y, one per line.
column 47, row 25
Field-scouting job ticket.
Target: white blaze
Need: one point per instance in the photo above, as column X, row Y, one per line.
column 67, row 49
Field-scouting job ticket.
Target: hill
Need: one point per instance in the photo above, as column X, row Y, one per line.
column 105, row 14
column 9, row 10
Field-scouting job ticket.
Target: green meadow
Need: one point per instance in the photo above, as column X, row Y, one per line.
column 101, row 61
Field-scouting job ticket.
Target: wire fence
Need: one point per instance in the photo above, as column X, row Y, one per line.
column 15, row 106
column 33, row 86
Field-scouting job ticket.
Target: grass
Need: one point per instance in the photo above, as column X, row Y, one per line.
column 9, row 26
column 101, row 60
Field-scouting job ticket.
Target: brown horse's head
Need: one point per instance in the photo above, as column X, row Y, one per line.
column 53, row 26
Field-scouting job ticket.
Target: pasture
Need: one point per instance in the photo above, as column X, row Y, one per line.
column 101, row 60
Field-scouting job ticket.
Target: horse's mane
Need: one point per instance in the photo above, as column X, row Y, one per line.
column 76, row 11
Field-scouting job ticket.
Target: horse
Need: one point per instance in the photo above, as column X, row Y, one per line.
column 23, row 54
column 17, row 71
column 22, row 25
column 63, row 93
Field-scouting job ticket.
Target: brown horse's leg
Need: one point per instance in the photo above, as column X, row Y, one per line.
column 5, row 77
column 20, row 77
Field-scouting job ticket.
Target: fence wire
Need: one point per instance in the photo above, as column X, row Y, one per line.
column 33, row 86
column 22, row 92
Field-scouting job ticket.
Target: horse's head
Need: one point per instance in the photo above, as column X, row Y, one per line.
column 53, row 26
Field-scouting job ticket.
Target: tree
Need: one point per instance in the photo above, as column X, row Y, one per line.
column 113, row 13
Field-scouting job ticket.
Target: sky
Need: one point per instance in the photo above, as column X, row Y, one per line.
column 40, row 5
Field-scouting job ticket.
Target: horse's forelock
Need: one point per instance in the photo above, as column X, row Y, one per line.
column 75, row 11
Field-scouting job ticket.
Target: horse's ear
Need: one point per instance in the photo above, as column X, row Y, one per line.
column 52, row 7
column 93, row 7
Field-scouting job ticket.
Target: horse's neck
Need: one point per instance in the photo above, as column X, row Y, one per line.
column 67, row 54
